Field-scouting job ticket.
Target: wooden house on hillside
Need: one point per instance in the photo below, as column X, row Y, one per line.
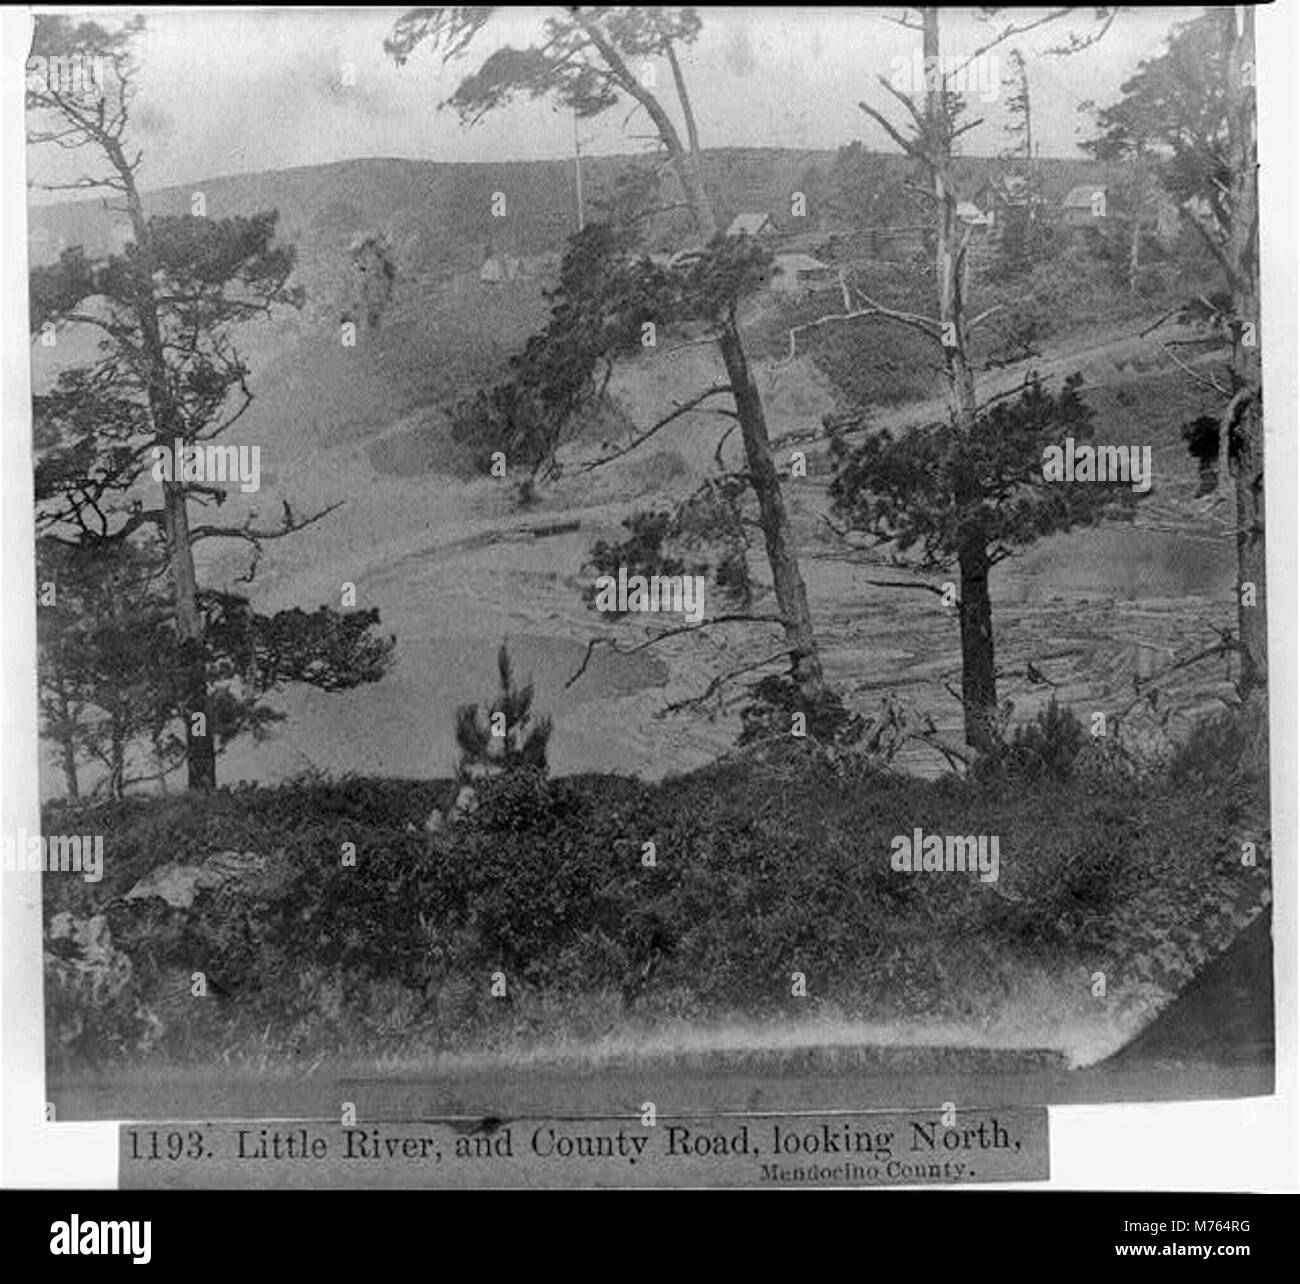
column 498, row 269
column 796, row 273
column 972, row 216
column 1086, row 205
column 756, row 225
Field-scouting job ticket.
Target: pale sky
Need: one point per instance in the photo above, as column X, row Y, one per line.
column 243, row 91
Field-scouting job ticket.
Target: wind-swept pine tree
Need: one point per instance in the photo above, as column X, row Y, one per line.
column 507, row 738
column 590, row 60
column 167, row 380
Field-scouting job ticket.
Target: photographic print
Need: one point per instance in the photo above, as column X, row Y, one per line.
column 605, row 556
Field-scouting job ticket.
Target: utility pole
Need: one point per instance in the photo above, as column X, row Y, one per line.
column 577, row 168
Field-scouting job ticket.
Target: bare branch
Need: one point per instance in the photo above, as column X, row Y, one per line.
column 1226, row 646
column 913, row 110
column 904, row 22
column 983, row 316
column 1009, row 32
column 667, row 633
column 722, row 441
column 927, row 326
column 902, row 584
column 907, row 145
column 1206, row 380
column 721, row 680
column 676, row 413
column 255, row 536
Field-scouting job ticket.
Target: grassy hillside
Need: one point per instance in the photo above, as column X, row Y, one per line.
column 766, row 865
column 444, row 333
column 441, row 213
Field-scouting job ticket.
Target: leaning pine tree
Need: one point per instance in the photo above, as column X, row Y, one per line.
column 591, row 60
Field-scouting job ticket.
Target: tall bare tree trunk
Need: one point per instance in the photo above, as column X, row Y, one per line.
column 979, row 684
column 1246, row 425
column 787, row 579
column 791, row 595
column 950, row 248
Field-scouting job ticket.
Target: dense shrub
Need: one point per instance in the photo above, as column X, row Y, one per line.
column 1214, row 751
column 773, row 703
column 1048, row 745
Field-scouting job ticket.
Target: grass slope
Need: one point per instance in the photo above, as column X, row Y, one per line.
column 766, row 865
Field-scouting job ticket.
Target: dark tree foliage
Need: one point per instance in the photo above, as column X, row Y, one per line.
column 943, row 497
column 1177, row 103
column 1024, row 242
column 870, row 190
column 327, row 649
column 112, row 670
column 558, row 67
column 563, row 368
column 933, row 488
column 659, row 542
column 105, row 685
column 606, row 295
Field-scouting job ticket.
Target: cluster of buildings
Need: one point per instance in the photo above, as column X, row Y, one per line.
column 1004, row 198
column 796, row 269
column 1000, row 202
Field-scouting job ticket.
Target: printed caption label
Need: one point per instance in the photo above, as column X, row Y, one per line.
column 890, row 1148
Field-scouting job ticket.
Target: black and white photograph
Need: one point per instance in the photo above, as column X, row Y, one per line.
column 650, row 565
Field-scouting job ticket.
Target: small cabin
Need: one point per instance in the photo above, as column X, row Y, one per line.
column 498, row 269
column 794, row 273
column 972, row 216
column 755, row 225
column 1085, row 204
